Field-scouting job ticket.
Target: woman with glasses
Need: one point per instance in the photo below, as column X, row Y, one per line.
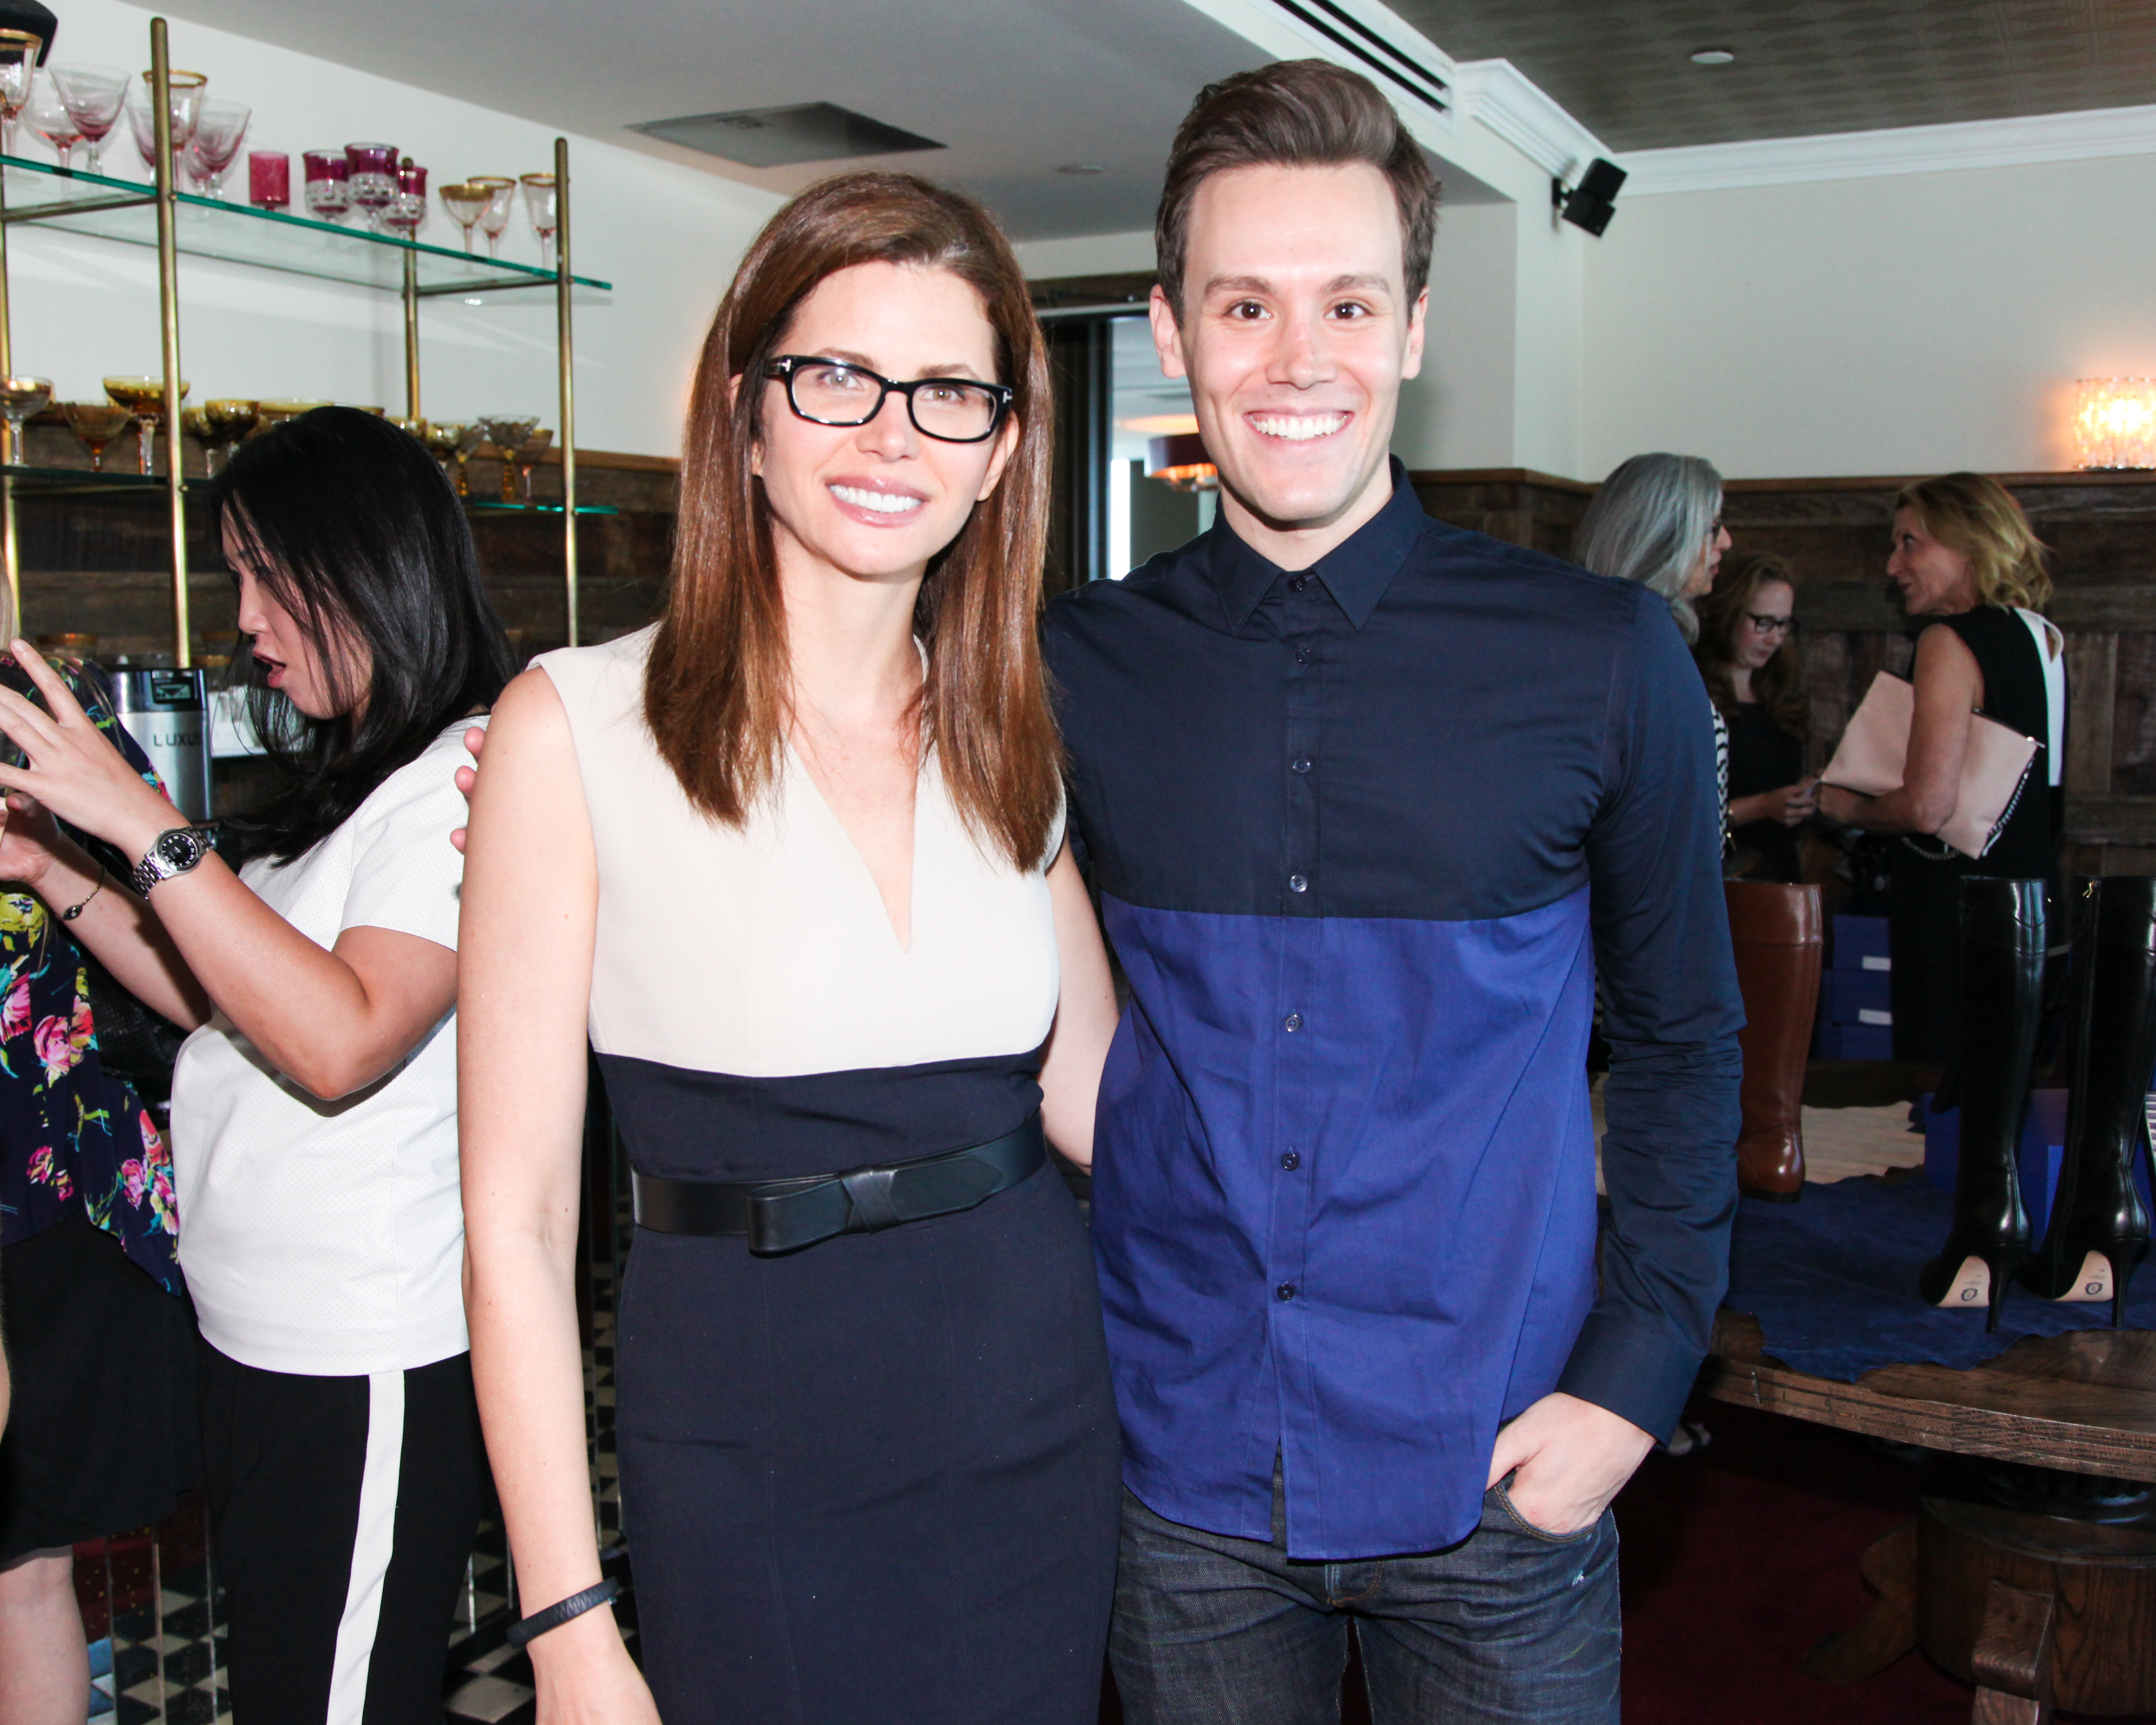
column 1747, row 654
column 794, row 859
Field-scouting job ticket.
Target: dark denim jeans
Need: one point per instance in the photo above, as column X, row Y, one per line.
column 1511, row 1624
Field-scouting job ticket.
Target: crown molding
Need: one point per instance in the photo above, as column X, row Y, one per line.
column 1505, row 99
column 1900, row 149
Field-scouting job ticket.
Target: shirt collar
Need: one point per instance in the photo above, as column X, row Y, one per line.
column 1356, row 572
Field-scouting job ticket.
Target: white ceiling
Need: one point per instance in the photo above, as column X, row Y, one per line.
column 1016, row 88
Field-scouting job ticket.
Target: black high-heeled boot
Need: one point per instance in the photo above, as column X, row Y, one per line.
column 2002, row 984
column 2099, row 1227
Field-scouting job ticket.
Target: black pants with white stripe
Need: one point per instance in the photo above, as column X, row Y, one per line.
column 341, row 1514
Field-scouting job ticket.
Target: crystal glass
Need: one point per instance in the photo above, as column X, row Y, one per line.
column 468, row 445
column 276, row 412
column 501, row 198
column 94, row 95
column 329, row 184
column 541, row 200
column 18, row 63
column 145, row 398
column 441, row 438
column 374, row 178
column 49, row 118
column 96, row 423
column 215, row 146
column 227, row 423
column 20, row 399
column 529, row 453
column 269, row 179
column 410, row 209
column 507, row 433
column 185, row 107
column 466, row 202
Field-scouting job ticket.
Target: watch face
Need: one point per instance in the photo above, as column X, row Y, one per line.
column 177, row 848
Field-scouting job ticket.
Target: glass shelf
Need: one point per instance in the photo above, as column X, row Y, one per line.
column 494, row 505
column 52, row 481
column 237, row 232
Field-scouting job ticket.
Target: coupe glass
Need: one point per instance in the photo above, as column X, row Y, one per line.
column 20, row 399
column 18, row 63
column 441, row 438
column 145, row 398
column 409, row 208
column 96, row 423
column 219, row 132
column 507, row 433
column 466, row 202
column 539, row 198
column 93, row 95
column 374, row 178
column 186, row 108
column 529, row 453
column 227, row 423
column 329, row 185
column 49, row 118
column 501, row 198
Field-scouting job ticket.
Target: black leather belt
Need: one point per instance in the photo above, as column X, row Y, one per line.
column 785, row 1215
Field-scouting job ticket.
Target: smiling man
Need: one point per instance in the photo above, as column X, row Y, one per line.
column 1370, row 802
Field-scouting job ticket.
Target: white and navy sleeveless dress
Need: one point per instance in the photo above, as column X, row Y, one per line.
column 876, row 1479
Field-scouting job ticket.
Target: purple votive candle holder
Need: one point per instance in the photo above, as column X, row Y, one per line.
column 269, row 179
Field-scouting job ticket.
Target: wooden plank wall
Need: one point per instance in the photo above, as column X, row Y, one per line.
column 2102, row 528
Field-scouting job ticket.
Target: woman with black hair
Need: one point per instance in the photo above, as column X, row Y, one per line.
column 314, row 1110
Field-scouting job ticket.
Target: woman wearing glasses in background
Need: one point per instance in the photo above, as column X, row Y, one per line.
column 794, row 856
column 1747, row 653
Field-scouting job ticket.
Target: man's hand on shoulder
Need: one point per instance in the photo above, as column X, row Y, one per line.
column 1569, row 1458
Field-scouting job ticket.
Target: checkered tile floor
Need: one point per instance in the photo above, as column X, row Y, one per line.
column 155, row 1616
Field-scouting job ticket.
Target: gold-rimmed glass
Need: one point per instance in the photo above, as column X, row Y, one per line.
column 441, row 437
column 145, row 398
column 501, row 199
column 508, row 433
column 228, row 422
column 542, row 201
column 185, row 107
column 18, row 64
column 466, row 202
column 276, row 412
column 20, row 399
column 97, row 423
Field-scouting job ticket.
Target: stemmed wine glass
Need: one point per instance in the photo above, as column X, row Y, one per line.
column 97, row 423
column 226, row 424
column 329, row 185
column 409, row 208
column 94, row 95
column 145, row 398
column 508, row 433
column 541, row 199
column 18, row 64
column 374, row 178
column 501, row 199
column 185, row 107
column 466, row 202
column 20, row 399
column 529, row 454
column 51, row 120
column 220, row 131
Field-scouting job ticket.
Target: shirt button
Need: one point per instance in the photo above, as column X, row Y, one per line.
column 1290, row 1161
column 1299, row 583
column 1293, row 1021
column 1298, row 883
column 1300, row 763
column 1302, row 653
column 1286, row 1290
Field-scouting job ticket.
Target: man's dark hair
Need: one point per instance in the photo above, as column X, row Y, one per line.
column 1294, row 113
column 349, row 526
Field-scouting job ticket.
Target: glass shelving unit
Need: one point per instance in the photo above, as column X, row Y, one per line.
column 177, row 225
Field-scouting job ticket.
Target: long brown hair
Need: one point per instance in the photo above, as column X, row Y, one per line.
column 718, row 689
column 1777, row 685
column 1974, row 514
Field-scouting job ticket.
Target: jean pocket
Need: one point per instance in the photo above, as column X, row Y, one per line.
column 1512, row 1511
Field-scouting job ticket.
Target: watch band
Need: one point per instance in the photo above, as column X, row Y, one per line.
column 523, row 1633
column 155, row 866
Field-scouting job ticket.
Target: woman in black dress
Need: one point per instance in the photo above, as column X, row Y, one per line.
column 1964, row 554
column 1747, row 653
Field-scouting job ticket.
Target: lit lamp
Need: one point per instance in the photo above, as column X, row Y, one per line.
column 1180, row 461
column 2115, row 422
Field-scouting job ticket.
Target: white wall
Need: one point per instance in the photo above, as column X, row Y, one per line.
column 1907, row 324
column 666, row 236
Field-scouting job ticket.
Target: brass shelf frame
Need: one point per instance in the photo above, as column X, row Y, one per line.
column 356, row 257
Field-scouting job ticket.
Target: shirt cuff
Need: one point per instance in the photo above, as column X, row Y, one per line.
column 1632, row 1369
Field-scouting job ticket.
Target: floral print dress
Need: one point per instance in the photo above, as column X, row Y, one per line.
column 70, row 1136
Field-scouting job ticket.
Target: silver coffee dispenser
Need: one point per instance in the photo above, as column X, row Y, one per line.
column 166, row 712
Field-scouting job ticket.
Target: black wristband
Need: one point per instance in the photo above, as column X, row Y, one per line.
column 523, row 1633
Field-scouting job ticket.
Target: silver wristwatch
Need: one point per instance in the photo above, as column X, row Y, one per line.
column 173, row 853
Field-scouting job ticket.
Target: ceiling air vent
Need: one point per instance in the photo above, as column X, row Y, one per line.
column 780, row 137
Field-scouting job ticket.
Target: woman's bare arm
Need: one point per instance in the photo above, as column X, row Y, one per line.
column 1949, row 689
column 1084, row 1018
column 530, row 907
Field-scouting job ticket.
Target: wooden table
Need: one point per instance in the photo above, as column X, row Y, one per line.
column 2031, row 1608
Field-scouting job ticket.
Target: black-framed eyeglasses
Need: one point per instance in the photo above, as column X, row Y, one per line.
column 1770, row 625
column 831, row 392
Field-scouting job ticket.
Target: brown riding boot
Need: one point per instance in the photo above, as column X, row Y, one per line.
column 1779, row 935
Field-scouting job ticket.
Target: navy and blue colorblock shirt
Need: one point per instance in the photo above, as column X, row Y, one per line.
column 1364, row 834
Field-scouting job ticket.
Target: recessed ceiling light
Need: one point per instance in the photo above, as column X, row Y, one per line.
column 1082, row 167
column 1713, row 57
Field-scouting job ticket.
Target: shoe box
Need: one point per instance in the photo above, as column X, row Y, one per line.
column 1856, row 1014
